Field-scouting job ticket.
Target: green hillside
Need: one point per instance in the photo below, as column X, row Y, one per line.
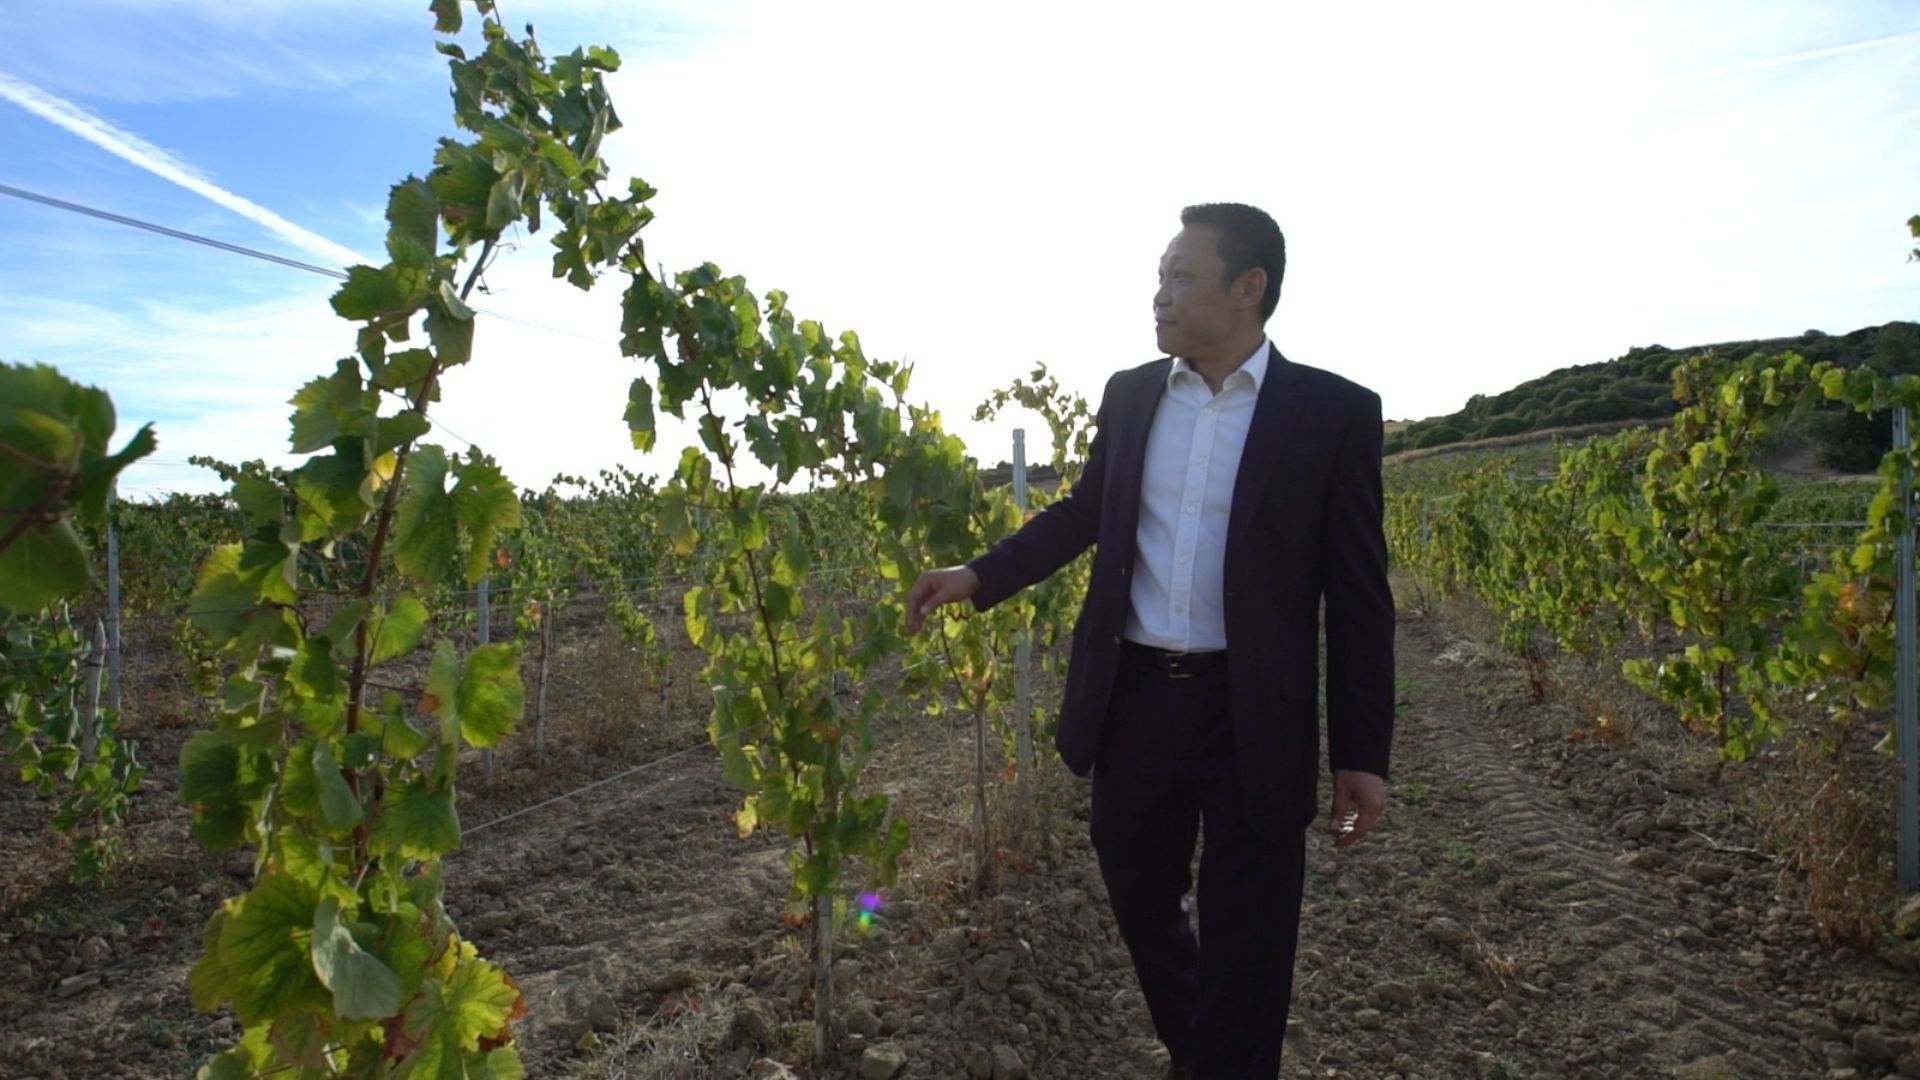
column 1637, row 387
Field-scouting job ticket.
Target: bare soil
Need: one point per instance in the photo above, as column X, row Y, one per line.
column 1548, row 896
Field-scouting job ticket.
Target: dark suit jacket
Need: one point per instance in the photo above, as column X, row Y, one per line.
column 1305, row 525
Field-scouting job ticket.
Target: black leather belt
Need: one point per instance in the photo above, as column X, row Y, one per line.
column 1173, row 665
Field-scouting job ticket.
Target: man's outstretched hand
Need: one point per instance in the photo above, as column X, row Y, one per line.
column 935, row 588
column 1359, row 798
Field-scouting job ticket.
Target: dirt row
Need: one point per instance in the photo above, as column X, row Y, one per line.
column 1539, row 902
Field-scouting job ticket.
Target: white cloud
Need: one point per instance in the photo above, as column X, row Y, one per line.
column 1473, row 195
column 370, row 53
column 131, row 148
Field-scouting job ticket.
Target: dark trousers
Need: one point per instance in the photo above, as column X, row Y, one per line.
column 1165, row 770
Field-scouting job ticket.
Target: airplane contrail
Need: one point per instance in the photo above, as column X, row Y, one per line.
column 1803, row 55
column 130, row 147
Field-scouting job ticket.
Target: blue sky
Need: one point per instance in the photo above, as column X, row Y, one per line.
column 1474, row 194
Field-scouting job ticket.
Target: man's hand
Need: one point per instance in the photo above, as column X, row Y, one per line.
column 1359, row 798
column 936, row 588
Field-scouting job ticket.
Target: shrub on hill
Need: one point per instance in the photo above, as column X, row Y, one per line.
column 1637, row 386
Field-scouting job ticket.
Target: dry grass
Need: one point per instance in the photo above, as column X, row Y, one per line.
column 1495, row 969
column 1606, row 708
column 1824, row 800
column 1542, row 437
column 1819, row 796
column 673, row 1044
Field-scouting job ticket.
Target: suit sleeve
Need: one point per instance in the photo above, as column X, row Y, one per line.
column 1359, row 602
column 1054, row 536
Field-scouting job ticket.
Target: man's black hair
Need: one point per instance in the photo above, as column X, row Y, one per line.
column 1248, row 238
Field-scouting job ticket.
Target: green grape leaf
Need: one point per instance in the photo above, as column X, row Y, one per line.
column 443, row 681
column 401, row 428
column 396, row 737
column 340, row 629
column 450, row 328
column 310, row 859
column 361, row 748
column 260, row 499
column 371, row 293
column 248, row 1059
column 299, row 790
column 417, row 821
column 790, row 567
column 313, row 673
column 95, row 485
column 36, row 395
column 214, row 783
column 300, row 1039
column 484, row 502
column 400, row 629
column 500, row 1063
column 41, row 566
column 644, row 308
column 413, row 222
column 403, row 369
column 327, row 408
column 698, row 606
column 208, row 978
column 334, row 492
column 448, row 1019
column 425, row 534
column 264, row 945
column 408, row 946
column 491, row 694
column 463, row 178
column 446, row 15
column 639, row 415
column 363, row 987
column 503, row 201
column 338, row 805
column 49, row 436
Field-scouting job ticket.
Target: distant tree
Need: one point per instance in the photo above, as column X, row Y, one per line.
column 1855, row 442
column 1503, row 425
column 1648, row 390
column 1896, row 349
column 1439, row 435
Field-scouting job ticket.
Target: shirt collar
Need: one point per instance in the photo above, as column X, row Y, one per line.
column 1255, row 365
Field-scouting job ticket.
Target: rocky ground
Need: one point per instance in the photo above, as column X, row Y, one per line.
column 1545, row 898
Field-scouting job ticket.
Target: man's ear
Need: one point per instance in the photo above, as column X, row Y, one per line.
column 1250, row 287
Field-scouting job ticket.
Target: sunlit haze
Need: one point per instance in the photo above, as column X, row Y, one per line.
column 1472, row 194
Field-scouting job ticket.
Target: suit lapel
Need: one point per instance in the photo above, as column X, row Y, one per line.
column 1134, row 424
column 1277, row 416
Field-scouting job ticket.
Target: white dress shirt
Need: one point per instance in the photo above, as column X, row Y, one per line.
column 1186, row 494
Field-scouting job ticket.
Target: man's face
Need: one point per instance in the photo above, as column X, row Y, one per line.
column 1194, row 307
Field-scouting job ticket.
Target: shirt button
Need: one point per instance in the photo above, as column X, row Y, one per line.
column 1190, row 510
column 1179, row 609
column 1185, row 559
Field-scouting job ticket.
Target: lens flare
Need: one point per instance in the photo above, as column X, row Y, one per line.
column 869, row 904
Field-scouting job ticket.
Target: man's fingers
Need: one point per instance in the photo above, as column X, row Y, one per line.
column 923, row 587
column 1363, row 824
column 930, row 591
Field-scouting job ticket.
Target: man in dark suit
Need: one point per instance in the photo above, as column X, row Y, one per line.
column 1230, row 493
